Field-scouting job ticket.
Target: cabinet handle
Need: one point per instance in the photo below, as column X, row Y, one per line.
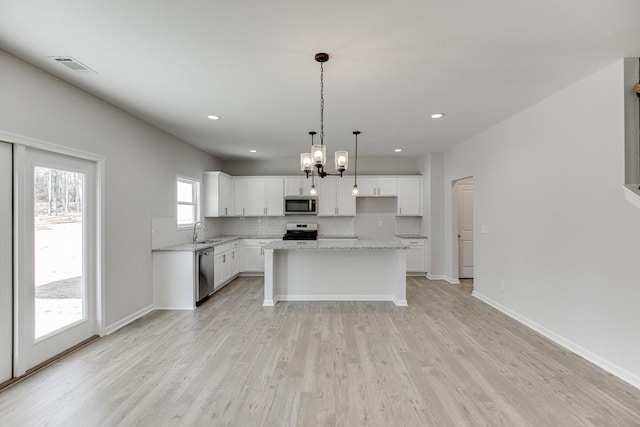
column 299, row 191
column 264, row 210
column 224, row 258
column 242, row 211
column 225, row 211
column 400, row 210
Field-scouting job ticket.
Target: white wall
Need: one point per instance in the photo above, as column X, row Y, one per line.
column 141, row 167
column 561, row 236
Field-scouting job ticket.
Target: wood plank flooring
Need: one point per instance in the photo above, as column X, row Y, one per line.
column 447, row 359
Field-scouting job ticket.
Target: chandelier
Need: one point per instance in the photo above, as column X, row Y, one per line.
column 313, row 163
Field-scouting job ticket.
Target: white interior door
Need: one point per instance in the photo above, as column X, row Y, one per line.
column 6, row 262
column 56, row 253
column 465, row 229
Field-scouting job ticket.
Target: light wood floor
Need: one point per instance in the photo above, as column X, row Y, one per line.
column 447, row 359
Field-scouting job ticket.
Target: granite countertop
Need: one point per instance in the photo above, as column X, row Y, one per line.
column 411, row 236
column 336, row 237
column 334, row 244
column 209, row 242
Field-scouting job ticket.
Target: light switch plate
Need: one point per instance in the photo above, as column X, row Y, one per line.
column 484, row 229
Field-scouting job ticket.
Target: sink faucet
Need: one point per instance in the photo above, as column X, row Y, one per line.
column 195, row 232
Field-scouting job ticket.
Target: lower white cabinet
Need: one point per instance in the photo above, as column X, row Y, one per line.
column 253, row 256
column 416, row 255
column 226, row 263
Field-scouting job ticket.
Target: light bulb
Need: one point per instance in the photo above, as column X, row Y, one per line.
column 307, row 161
column 317, row 155
column 342, row 160
column 355, row 190
column 313, row 191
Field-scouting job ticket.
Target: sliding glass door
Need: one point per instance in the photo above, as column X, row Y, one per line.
column 56, row 255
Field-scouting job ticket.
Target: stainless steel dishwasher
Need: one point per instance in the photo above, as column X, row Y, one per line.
column 206, row 266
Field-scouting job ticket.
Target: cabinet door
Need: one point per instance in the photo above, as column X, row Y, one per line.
column 327, row 196
column 257, row 198
column 274, row 197
column 235, row 262
column 226, row 196
column 409, row 197
column 252, row 259
column 367, row 186
column 387, row 187
column 345, row 201
column 415, row 255
column 218, row 272
column 240, row 196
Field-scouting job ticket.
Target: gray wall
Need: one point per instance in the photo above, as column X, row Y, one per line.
column 561, row 237
column 141, row 167
column 291, row 166
column 632, row 137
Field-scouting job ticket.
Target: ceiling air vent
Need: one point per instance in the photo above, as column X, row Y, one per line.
column 72, row 63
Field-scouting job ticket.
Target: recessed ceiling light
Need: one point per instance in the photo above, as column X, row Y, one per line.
column 398, row 150
column 437, row 115
column 212, row 117
column 253, row 151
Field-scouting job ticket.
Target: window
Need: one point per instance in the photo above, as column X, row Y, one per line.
column 188, row 197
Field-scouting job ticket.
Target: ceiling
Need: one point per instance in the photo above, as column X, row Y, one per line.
column 173, row 63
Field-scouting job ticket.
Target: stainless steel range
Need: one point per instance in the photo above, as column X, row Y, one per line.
column 301, row 231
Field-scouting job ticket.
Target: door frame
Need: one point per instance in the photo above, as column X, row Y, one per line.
column 19, row 216
column 455, row 250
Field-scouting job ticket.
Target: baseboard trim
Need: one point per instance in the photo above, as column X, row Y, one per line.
column 121, row 323
column 452, row 280
column 436, row 276
column 612, row 368
column 364, row 298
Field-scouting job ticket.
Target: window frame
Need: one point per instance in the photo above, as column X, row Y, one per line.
column 195, row 183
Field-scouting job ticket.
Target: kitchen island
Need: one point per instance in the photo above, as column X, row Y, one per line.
column 354, row 270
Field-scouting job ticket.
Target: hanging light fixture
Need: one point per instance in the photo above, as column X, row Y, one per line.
column 314, row 162
column 355, row 190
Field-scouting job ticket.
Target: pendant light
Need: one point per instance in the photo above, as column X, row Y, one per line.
column 355, row 190
column 315, row 161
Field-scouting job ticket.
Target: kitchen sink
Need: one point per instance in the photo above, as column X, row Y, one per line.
column 208, row 241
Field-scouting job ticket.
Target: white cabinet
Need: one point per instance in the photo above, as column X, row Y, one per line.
column 226, row 263
column 416, row 255
column 259, row 196
column 253, row 256
column 218, row 194
column 335, row 197
column 409, row 196
column 297, row 186
column 370, row 186
column 240, row 188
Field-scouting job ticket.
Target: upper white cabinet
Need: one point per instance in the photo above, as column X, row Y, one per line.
column 240, row 188
column 335, row 197
column 218, row 194
column 259, row 196
column 409, row 196
column 297, row 186
column 370, row 186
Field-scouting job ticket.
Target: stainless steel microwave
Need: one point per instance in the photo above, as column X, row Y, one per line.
column 300, row 205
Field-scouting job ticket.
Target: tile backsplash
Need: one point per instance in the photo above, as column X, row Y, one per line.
column 164, row 231
column 276, row 225
column 327, row 226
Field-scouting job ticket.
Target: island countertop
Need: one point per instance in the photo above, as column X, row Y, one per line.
column 334, row 245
